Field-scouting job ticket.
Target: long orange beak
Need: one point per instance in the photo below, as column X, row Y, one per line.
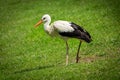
column 36, row 25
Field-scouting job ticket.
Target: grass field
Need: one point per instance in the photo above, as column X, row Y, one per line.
column 27, row 53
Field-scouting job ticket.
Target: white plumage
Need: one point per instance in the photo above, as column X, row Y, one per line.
column 62, row 26
column 65, row 29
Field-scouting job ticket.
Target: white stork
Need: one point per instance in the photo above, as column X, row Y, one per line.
column 66, row 30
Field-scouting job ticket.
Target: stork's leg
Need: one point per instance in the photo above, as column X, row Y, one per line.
column 77, row 56
column 67, row 49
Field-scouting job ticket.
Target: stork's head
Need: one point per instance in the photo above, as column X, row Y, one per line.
column 45, row 19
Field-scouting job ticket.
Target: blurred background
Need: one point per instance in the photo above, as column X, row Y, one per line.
column 28, row 53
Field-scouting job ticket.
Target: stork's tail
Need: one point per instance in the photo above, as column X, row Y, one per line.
column 87, row 39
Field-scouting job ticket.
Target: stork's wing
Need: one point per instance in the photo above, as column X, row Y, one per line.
column 63, row 26
column 69, row 29
column 77, row 27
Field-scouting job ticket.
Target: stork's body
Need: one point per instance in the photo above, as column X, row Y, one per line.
column 66, row 30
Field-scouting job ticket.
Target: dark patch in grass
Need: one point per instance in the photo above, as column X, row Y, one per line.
column 35, row 68
column 91, row 58
column 15, row 2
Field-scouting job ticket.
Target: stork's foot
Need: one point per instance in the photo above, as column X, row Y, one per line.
column 77, row 59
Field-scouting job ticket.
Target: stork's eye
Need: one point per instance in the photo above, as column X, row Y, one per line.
column 43, row 18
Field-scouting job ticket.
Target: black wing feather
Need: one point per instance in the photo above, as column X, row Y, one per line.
column 78, row 32
column 77, row 27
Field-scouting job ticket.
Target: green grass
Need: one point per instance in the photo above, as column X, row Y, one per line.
column 27, row 53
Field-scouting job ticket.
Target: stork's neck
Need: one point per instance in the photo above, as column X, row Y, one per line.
column 47, row 25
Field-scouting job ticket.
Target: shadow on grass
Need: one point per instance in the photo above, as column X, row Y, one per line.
column 35, row 68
